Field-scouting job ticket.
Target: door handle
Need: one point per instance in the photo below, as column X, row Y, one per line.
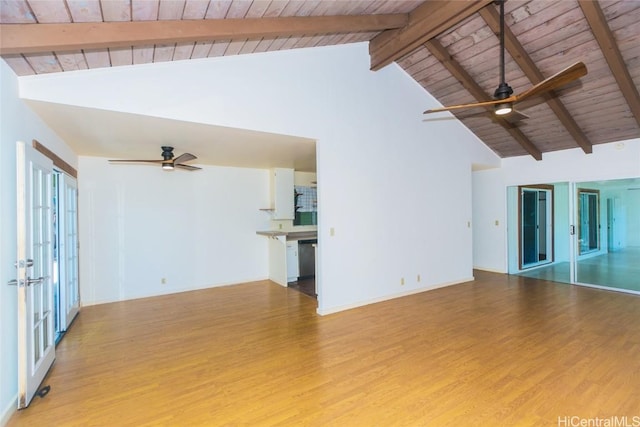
column 34, row 281
column 28, row 282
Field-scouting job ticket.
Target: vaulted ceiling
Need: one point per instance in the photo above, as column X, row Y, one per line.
column 451, row 48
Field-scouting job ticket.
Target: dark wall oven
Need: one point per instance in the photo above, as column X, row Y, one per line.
column 307, row 258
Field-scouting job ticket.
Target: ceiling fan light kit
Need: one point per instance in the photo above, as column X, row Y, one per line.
column 503, row 91
column 503, row 109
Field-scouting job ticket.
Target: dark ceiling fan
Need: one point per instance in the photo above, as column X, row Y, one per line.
column 503, row 98
column 167, row 161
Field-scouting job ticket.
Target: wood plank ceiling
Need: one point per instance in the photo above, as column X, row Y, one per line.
column 450, row 48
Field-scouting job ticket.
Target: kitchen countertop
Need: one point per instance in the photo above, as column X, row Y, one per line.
column 290, row 235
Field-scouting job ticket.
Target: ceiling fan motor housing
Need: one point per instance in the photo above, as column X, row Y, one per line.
column 503, row 91
column 167, row 153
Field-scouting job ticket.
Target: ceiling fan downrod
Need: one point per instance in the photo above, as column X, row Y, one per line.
column 504, row 90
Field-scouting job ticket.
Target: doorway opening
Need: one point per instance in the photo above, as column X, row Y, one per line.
column 536, row 225
column 538, row 218
column 588, row 221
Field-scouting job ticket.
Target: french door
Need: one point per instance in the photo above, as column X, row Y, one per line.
column 36, row 329
column 69, row 297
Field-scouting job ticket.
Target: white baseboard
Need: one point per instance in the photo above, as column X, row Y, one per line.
column 490, row 270
column 324, row 312
column 170, row 291
column 8, row 412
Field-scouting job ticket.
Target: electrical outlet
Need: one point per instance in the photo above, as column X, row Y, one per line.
column 402, row 281
column 332, row 231
column 418, row 279
column 163, row 281
column 280, row 226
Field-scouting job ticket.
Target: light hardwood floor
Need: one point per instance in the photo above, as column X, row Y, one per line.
column 502, row 350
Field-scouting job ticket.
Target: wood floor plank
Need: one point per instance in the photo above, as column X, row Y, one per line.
column 501, row 350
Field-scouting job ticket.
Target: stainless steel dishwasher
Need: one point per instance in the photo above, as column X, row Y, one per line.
column 307, row 258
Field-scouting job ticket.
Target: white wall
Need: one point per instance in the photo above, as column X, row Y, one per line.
column 19, row 123
column 608, row 161
column 395, row 189
column 489, row 220
column 140, row 224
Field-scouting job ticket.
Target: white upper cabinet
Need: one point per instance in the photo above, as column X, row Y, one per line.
column 282, row 197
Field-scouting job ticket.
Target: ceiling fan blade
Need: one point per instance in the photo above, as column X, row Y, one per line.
column 561, row 78
column 186, row 167
column 515, row 116
column 186, row 157
column 137, row 161
column 472, row 105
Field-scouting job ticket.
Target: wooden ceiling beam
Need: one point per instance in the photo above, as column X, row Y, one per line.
column 454, row 67
column 39, row 38
column 609, row 47
column 425, row 22
column 533, row 73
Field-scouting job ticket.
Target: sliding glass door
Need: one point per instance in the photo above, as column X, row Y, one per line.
column 585, row 233
column 608, row 255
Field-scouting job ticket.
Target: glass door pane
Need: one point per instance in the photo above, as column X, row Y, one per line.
column 543, row 217
column 608, row 255
column 589, row 220
column 529, row 216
